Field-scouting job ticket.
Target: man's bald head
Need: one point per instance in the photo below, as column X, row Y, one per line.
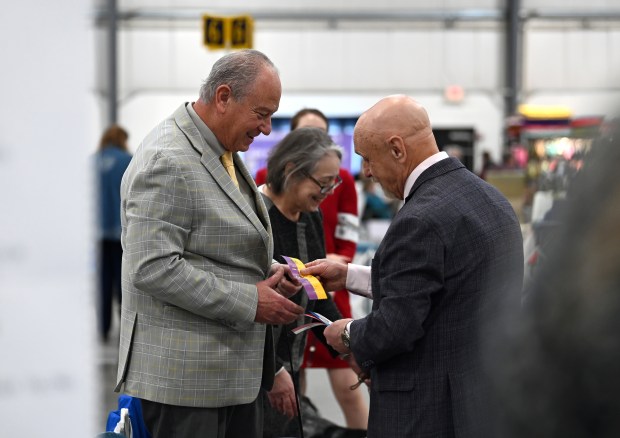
column 398, row 117
column 393, row 137
column 395, row 115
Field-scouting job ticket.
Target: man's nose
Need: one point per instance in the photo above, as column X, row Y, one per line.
column 265, row 126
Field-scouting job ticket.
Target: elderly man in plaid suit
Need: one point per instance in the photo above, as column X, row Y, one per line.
column 199, row 285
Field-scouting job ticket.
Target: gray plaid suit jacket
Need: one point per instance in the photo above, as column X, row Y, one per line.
column 451, row 255
column 194, row 250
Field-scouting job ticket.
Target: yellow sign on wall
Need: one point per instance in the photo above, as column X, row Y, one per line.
column 227, row 32
column 241, row 31
column 214, row 31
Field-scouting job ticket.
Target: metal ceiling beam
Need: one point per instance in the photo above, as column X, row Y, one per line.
column 112, row 29
column 597, row 15
column 513, row 64
column 309, row 15
column 465, row 15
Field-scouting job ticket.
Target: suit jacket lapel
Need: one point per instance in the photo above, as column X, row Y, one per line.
column 212, row 163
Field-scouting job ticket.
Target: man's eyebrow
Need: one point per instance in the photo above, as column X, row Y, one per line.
column 264, row 108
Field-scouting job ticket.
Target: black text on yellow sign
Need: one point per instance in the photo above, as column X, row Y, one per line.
column 214, row 31
column 241, row 30
column 227, row 32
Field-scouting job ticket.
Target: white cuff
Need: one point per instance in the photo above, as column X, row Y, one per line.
column 358, row 279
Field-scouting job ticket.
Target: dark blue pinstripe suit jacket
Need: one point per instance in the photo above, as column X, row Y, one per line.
column 452, row 254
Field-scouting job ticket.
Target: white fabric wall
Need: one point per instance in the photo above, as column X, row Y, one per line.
column 571, row 66
column 47, row 383
column 345, row 67
column 343, row 72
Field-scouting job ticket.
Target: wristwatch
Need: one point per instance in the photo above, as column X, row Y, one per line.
column 346, row 337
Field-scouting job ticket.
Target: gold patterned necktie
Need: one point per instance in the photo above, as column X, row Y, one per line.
column 227, row 161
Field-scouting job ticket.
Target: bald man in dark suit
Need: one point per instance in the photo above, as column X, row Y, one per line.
column 451, row 256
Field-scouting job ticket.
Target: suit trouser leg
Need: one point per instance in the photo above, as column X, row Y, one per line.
column 109, row 267
column 106, row 285
column 169, row 421
column 117, row 267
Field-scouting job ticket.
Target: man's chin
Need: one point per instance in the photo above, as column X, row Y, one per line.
column 245, row 146
column 389, row 194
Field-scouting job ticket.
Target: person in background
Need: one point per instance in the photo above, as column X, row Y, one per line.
column 375, row 206
column 487, row 164
column 111, row 160
column 451, row 257
column 200, row 288
column 341, row 231
column 303, row 172
column 509, row 161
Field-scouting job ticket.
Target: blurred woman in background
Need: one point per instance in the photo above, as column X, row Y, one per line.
column 111, row 161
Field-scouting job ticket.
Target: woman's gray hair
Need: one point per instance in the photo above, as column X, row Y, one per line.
column 304, row 148
column 238, row 70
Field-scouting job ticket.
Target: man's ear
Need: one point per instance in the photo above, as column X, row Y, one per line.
column 397, row 148
column 223, row 96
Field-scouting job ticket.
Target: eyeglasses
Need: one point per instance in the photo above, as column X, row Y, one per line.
column 326, row 189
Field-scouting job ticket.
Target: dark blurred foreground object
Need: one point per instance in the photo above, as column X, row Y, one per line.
column 555, row 365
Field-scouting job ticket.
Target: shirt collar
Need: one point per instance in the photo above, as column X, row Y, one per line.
column 435, row 158
column 204, row 130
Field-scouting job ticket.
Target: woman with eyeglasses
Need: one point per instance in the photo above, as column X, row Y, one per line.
column 302, row 171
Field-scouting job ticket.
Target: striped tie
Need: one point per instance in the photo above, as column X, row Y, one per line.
column 227, row 161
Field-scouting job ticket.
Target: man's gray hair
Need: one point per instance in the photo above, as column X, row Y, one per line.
column 238, row 70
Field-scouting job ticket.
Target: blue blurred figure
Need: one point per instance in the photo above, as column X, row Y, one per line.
column 375, row 206
column 111, row 161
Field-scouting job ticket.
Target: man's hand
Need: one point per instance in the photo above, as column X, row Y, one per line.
column 333, row 335
column 288, row 285
column 282, row 396
column 331, row 274
column 272, row 307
